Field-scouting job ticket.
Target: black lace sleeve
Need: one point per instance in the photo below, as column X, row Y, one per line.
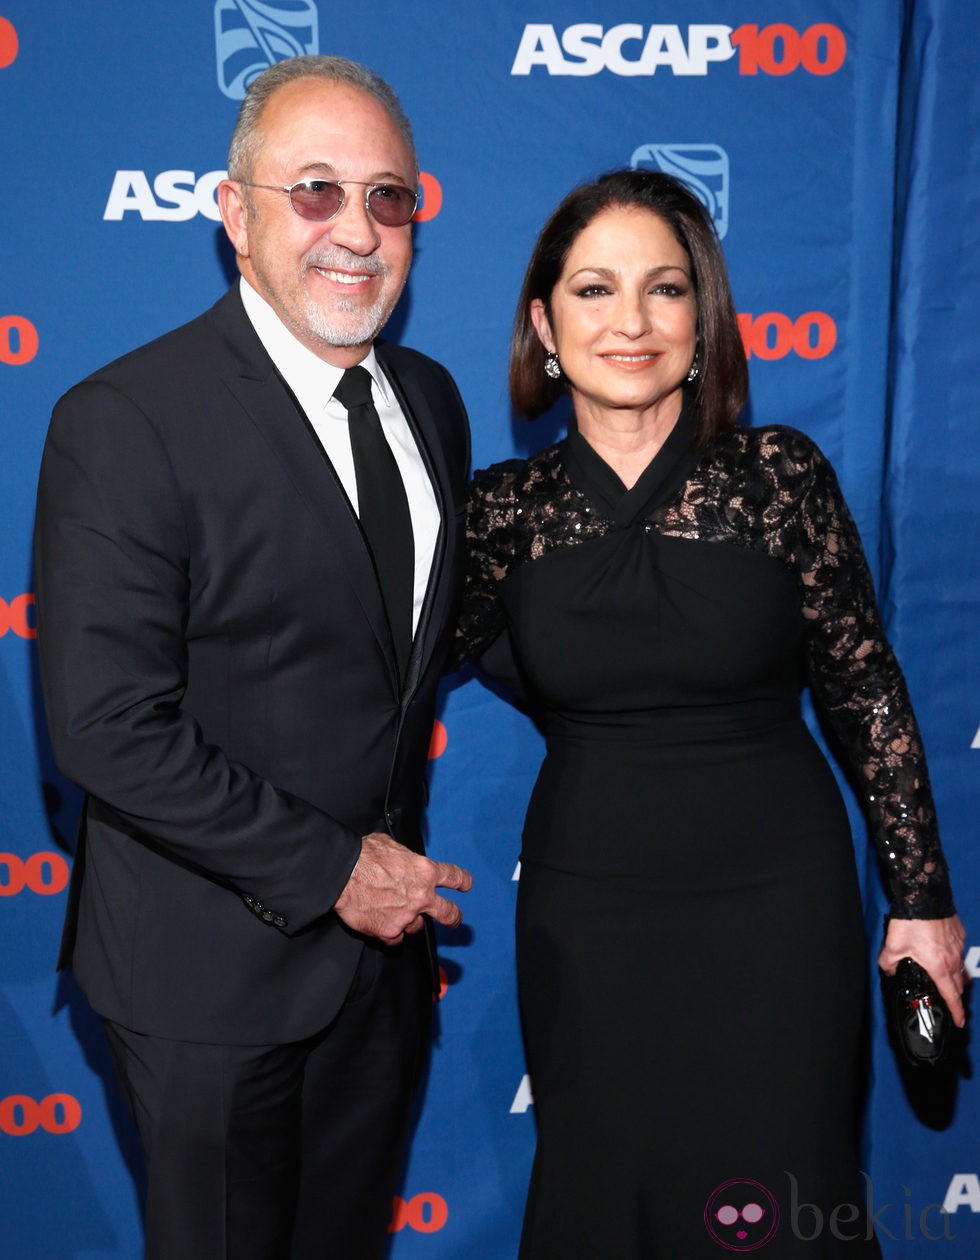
column 858, row 684
column 490, row 542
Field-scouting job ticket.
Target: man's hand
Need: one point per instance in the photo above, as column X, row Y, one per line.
column 391, row 888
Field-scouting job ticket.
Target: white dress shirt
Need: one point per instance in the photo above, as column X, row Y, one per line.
column 313, row 382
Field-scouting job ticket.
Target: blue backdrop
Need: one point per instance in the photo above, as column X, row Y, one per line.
column 838, row 146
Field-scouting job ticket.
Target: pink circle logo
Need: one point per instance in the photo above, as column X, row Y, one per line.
column 741, row 1215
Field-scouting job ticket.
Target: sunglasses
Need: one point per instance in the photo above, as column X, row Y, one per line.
column 391, row 205
column 751, row 1213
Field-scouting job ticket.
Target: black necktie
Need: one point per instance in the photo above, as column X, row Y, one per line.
column 382, row 506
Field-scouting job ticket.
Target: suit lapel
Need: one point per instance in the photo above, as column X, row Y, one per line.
column 255, row 384
column 418, row 411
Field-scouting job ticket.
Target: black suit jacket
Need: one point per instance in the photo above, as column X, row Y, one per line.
column 219, row 677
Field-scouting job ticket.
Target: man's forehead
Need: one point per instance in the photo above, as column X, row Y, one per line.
column 311, row 111
column 328, row 99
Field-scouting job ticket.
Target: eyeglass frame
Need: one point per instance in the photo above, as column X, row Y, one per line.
column 368, row 186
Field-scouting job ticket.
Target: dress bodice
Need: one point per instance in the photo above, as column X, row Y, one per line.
column 558, row 528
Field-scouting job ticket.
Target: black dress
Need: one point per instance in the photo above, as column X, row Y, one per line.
column 691, row 957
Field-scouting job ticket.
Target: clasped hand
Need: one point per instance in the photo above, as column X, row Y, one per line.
column 391, row 889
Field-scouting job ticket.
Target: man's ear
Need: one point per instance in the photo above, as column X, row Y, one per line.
column 234, row 215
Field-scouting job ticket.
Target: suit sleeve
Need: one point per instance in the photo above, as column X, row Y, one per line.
column 113, row 581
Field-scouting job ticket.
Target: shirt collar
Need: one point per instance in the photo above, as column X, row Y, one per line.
column 294, row 361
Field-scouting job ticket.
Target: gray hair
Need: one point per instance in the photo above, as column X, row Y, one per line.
column 245, row 138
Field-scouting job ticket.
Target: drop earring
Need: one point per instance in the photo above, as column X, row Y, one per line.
column 552, row 367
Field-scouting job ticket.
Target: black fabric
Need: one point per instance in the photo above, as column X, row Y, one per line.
column 289, row 1152
column 382, row 507
column 768, row 492
column 219, row 677
column 687, row 866
column 246, row 725
column 662, row 476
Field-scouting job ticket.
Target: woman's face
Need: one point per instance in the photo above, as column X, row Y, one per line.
column 623, row 315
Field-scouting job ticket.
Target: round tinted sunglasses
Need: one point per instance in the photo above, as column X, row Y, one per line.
column 391, row 205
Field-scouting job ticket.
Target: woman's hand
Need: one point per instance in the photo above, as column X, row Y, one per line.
column 936, row 945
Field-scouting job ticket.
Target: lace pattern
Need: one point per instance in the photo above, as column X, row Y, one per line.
column 769, row 489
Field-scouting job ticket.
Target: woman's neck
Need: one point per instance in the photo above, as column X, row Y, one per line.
column 628, row 440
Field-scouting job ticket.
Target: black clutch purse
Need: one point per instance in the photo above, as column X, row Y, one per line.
column 918, row 1017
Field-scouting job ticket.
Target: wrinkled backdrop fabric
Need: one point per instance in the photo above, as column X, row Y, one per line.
column 838, row 146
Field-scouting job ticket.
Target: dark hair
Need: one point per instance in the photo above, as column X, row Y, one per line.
column 722, row 383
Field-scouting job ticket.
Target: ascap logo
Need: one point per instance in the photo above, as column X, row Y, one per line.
column 524, row 1098
column 41, row 873
column 251, row 35
column 972, row 961
column 181, row 193
column 431, row 202
column 18, row 616
column 964, row 1191
column 591, row 49
column 773, row 335
column 9, row 43
column 780, row 49
column 438, row 740
column 425, row 1213
column 631, row 49
column 703, row 167
column 177, row 196
column 18, row 340
column 21, row 1116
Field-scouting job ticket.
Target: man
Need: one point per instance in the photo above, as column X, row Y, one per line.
column 242, row 619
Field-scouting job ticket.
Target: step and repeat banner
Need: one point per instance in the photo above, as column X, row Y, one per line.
column 836, row 146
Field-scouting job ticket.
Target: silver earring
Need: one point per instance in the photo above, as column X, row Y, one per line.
column 552, row 367
column 695, row 369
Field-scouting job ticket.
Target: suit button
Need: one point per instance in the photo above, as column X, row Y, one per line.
column 268, row 916
column 393, row 818
column 278, row 921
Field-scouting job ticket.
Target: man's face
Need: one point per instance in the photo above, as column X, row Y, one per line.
column 332, row 283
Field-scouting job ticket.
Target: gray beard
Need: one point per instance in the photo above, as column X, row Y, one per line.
column 348, row 332
column 330, row 326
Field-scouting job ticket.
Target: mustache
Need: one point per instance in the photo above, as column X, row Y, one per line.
column 337, row 258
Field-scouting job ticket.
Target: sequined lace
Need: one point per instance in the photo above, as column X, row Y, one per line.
column 768, row 489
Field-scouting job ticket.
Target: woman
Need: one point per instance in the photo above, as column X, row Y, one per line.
column 690, row 945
